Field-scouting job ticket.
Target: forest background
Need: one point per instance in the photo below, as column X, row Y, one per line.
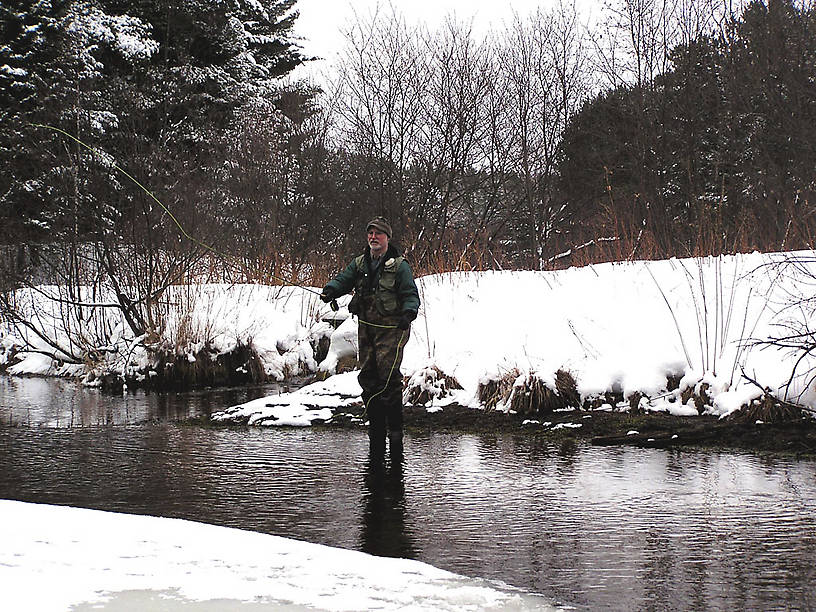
column 667, row 128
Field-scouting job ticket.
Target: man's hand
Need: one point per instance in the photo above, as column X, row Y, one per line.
column 328, row 294
column 405, row 319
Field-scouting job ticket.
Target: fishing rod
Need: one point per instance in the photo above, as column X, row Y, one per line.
column 333, row 304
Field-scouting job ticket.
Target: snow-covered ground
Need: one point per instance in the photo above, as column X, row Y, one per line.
column 622, row 327
column 616, row 327
column 60, row 558
column 282, row 323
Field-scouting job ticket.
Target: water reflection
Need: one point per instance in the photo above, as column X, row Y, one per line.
column 597, row 528
column 384, row 531
column 46, row 402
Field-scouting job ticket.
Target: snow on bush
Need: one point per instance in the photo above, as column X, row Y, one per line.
column 429, row 385
column 625, row 332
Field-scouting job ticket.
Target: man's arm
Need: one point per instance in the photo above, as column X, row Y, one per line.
column 343, row 283
column 407, row 290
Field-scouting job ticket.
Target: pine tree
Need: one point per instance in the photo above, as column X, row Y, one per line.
column 772, row 96
column 153, row 83
column 57, row 63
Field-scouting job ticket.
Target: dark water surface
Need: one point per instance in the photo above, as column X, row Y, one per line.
column 596, row 528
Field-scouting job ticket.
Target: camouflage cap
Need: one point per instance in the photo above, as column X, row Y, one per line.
column 381, row 224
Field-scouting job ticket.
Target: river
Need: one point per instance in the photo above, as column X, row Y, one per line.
column 594, row 528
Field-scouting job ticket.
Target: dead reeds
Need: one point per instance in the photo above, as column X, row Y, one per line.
column 494, row 390
column 769, row 409
column 428, row 384
column 528, row 393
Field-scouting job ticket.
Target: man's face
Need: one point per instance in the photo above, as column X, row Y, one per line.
column 377, row 241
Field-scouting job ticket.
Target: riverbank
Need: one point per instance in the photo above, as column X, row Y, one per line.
column 109, row 560
column 684, row 337
column 605, row 428
column 786, row 432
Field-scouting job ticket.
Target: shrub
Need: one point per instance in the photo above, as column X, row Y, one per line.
column 428, row 384
column 491, row 391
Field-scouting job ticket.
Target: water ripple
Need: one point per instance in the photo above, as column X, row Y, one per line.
column 597, row 528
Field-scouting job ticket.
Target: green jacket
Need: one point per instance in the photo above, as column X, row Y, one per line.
column 390, row 288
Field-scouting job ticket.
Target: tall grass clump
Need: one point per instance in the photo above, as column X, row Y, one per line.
column 495, row 389
column 721, row 297
column 528, row 393
column 427, row 385
column 532, row 395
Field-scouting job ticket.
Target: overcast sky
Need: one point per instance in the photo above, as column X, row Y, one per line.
column 321, row 21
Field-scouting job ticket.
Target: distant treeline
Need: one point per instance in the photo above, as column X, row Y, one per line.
column 664, row 127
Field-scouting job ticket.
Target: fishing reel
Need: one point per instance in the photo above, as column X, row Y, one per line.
column 334, row 306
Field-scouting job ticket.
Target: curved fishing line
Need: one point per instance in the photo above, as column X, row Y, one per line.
column 194, row 240
column 176, row 222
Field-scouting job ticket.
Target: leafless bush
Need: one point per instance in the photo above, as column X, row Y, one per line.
column 492, row 391
column 428, row 384
column 797, row 337
column 100, row 298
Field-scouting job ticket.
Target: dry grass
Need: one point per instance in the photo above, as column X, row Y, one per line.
column 637, row 232
column 533, row 397
column 491, row 392
column 427, row 385
column 769, row 409
column 527, row 394
column 617, row 232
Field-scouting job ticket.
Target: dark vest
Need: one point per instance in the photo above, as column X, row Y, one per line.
column 385, row 295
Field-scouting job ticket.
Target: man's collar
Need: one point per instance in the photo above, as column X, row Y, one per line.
column 390, row 252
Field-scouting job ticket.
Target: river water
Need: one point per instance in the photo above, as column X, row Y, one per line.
column 593, row 528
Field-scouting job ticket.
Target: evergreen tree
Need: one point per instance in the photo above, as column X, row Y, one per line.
column 153, row 83
column 771, row 91
column 715, row 155
column 56, row 69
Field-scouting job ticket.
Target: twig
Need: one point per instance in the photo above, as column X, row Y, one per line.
column 674, row 318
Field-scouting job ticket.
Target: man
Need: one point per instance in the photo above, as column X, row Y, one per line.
column 385, row 301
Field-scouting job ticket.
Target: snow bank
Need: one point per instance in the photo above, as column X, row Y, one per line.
column 300, row 408
column 282, row 324
column 622, row 328
column 59, row 558
column 615, row 327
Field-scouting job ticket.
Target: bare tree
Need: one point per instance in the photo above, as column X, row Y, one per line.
column 413, row 103
column 453, row 128
column 548, row 81
column 633, row 44
column 381, row 84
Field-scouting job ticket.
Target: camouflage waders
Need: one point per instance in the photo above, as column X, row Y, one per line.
column 385, row 297
column 381, row 356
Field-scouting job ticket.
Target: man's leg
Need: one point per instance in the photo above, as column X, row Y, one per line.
column 372, row 386
column 376, row 428
column 389, row 359
column 394, row 419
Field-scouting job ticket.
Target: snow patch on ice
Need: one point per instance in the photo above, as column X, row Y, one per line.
column 58, row 558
